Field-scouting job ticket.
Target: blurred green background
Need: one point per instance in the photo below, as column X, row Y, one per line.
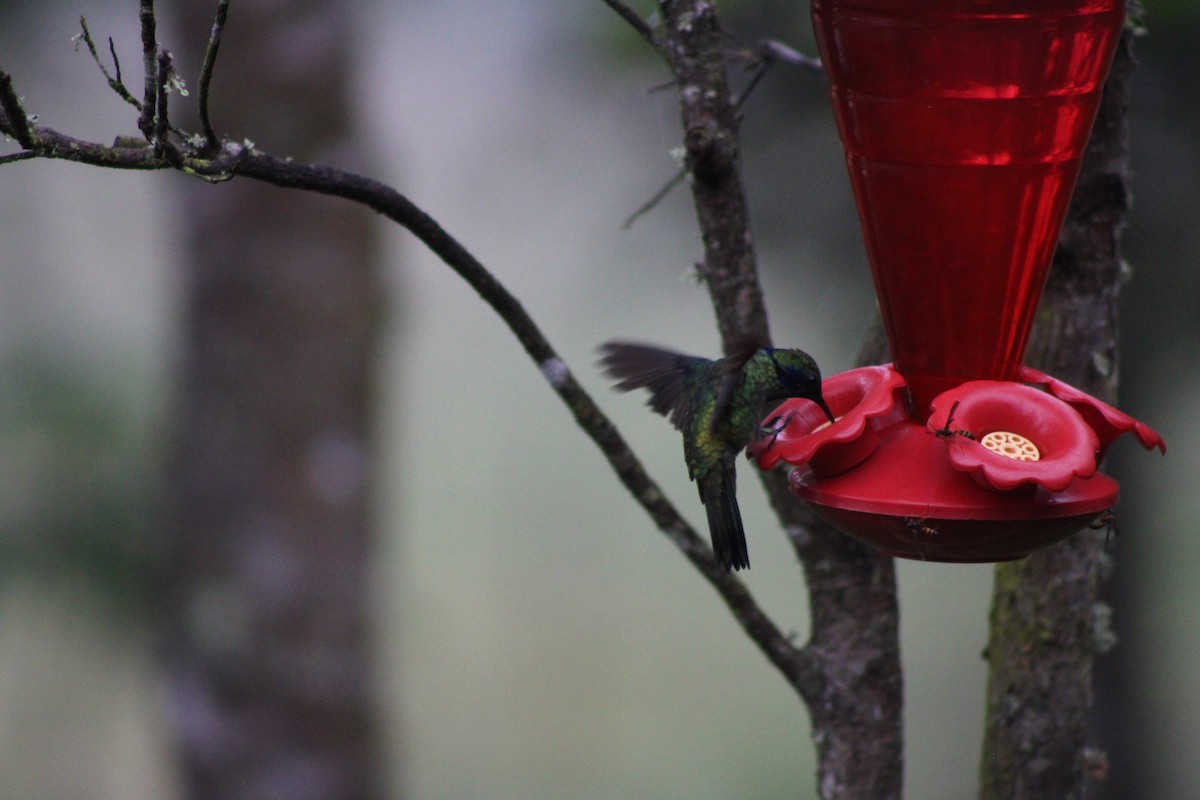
column 535, row 637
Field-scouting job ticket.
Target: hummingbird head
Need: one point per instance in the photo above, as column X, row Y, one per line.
column 798, row 376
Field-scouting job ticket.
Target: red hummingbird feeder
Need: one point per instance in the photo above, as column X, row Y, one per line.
column 964, row 124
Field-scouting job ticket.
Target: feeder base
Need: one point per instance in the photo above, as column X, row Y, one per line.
column 907, row 501
column 952, row 540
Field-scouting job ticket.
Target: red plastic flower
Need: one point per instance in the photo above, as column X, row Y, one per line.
column 1008, row 436
column 863, row 401
column 1108, row 422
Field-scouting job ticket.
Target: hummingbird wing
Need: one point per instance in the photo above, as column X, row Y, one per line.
column 729, row 370
column 666, row 373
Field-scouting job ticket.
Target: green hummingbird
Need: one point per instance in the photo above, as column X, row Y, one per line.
column 717, row 405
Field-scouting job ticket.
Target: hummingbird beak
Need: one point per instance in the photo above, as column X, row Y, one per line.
column 821, row 402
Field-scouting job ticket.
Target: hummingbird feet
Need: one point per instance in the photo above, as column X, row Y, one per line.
column 773, row 427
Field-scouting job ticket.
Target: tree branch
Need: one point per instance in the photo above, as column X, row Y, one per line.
column 771, row 50
column 849, row 672
column 325, row 180
column 634, row 21
column 23, row 155
column 234, row 159
column 150, row 68
column 15, row 118
column 648, row 206
column 766, row 54
column 206, row 73
column 162, row 145
column 114, row 79
column 692, row 40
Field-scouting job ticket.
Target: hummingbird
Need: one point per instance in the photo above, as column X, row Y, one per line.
column 717, row 405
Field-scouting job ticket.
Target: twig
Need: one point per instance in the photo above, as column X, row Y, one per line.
column 17, row 121
column 636, row 22
column 114, row 81
column 765, row 55
column 161, row 115
column 23, row 155
column 206, row 73
column 150, row 67
column 655, row 199
column 770, row 50
column 112, row 51
column 127, row 153
column 760, row 72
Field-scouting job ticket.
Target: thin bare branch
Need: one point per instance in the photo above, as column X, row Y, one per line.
column 206, row 73
column 150, row 67
column 771, row 50
column 112, row 51
column 23, row 155
column 636, row 22
column 161, row 115
column 16, row 121
column 655, row 199
column 114, row 80
column 759, row 71
column 763, row 56
column 122, row 154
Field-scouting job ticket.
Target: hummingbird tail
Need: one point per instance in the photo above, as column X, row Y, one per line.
column 725, row 522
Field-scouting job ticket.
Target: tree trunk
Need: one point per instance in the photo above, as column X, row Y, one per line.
column 271, row 686
column 1045, row 626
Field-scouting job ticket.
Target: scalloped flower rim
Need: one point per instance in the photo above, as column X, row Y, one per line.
column 1109, row 423
column 1066, row 445
column 859, row 398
